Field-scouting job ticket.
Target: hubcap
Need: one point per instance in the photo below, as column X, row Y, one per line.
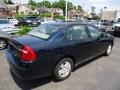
column 109, row 49
column 2, row 44
column 64, row 69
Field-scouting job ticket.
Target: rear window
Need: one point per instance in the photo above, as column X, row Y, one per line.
column 4, row 22
column 31, row 17
column 44, row 31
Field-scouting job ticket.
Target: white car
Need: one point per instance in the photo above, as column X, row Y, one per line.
column 6, row 26
column 14, row 21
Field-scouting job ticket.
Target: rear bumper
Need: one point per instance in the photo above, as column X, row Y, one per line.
column 11, row 31
column 30, row 23
column 33, row 72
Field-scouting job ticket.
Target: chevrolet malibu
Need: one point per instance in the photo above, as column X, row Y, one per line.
column 54, row 49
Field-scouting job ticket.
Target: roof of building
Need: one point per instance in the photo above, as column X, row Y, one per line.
column 2, row 4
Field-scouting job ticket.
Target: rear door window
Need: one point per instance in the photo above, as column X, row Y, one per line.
column 77, row 32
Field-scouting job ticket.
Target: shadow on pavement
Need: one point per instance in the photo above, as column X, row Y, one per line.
column 30, row 84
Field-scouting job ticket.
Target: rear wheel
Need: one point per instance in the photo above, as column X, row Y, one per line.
column 3, row 44
column 63, row 69
column 109, row 49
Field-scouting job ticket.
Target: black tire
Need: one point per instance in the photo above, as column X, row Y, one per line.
column 5, row 42
column 108, row 52
column 115, row 34
column 56, row 70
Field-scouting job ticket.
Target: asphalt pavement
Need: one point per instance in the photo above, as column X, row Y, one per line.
column 101, row 73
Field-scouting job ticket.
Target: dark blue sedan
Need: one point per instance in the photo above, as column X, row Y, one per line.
column 55, row 49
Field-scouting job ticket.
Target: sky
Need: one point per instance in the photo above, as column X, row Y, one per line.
column 87, row 4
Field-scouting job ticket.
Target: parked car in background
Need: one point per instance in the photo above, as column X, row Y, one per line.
column 6, row 26
column 4, row 38
column 30, row 20
column 47, row 20
column 95, row 23
column 106, row 26
column 82, row 21
column 55, row 48
column 14, row 21
column 117, row 27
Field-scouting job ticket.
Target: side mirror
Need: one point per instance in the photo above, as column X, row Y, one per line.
column 103, row 34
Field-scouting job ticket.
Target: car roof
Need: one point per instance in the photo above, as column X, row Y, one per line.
column 3, row 19
column 67, row 23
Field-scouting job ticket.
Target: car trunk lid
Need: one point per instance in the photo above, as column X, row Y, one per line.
column 16, row 46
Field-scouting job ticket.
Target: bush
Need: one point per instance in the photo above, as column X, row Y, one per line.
column 24, row 30
column 60, row 17
column 46, row 15
column 18, row 16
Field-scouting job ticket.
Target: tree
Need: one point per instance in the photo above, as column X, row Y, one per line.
column 79, row 8
column 8, row 2
column 32, row 3
column 93, row 13
column 70, row 6
column 39, row 4
column 55, row 4
column 74, row 7
column 93, row 9
column 62, row 4
column 4, row 1
column 96, row 17
column 44, row 3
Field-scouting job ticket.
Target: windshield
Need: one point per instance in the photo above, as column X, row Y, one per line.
column 4, row 22
column 44, row 31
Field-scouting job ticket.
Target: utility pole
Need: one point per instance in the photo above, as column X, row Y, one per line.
column 66, row 11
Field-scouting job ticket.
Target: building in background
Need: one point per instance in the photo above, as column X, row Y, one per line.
column 51, row 10
column 117, row 16
column 108, row 15
column 25, row 9
column 77, row 14
column 3, row 10
column 12, row 8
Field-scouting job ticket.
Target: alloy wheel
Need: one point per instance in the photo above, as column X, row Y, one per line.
column 2, row 44
column 64, row 69
column 109, row 49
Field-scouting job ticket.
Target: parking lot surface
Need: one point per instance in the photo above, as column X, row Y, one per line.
column 102, row 73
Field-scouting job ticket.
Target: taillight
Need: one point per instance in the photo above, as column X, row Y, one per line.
column 29, row 54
